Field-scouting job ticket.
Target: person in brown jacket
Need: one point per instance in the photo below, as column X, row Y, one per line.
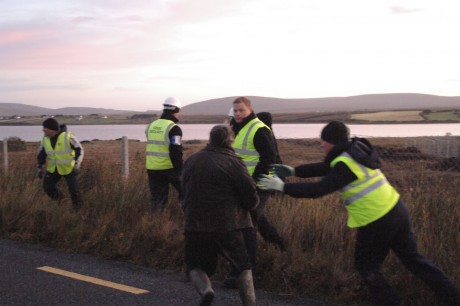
column 218, row 195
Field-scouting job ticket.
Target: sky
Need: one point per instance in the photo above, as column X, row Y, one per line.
column 131, row 55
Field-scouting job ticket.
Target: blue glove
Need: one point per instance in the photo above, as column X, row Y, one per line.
column 270, row 183
column 283, row 170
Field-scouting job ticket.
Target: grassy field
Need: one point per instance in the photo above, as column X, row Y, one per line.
column 403, row 116
column 115, row 224
column 442, row 116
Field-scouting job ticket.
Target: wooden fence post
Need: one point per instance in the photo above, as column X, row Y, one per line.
column 5, row 154
column 124, row 157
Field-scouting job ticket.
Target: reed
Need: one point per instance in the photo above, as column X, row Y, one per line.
column 115, row 222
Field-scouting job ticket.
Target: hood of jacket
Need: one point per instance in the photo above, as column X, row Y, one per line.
column 360, row 149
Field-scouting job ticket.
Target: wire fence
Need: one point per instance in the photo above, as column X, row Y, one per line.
column 444, row 147
column 440, row 153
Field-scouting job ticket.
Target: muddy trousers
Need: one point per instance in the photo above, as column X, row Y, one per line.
column 394, row 232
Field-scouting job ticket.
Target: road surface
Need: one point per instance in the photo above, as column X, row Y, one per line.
column 37, row 275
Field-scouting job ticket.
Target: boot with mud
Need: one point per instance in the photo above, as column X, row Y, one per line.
column 202, row 284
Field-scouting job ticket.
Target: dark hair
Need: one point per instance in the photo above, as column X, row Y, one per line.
column 221, row 136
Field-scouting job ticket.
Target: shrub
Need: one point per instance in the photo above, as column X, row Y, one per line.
column 15, row 144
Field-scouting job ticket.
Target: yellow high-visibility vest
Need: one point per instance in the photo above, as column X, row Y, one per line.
column 369, row 197
column 157, row 149
column 62, row 156
column 244, row 144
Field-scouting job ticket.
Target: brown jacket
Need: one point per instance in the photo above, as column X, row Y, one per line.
column 218, row 191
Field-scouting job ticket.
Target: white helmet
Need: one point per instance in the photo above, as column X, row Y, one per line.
column 172, row 103
column 231, row 113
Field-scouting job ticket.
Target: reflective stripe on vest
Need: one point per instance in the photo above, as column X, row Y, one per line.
column 369, row 197
column 62, row 156
column 157, row 149
column 244, row 144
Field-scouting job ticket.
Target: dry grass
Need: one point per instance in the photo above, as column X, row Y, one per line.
column 115, row 223
column 389, row 116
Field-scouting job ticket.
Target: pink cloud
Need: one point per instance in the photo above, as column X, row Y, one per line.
column 20, row 36
column 403, row 10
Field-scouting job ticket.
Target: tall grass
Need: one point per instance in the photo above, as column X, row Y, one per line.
column 115, row 222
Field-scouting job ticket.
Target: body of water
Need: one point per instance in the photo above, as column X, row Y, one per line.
column 201, row 131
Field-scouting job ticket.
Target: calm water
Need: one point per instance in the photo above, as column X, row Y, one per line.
column 201, row 131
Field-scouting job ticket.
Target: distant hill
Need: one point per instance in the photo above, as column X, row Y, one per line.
column 12, row 109
column 372, row 102
column 221, row 106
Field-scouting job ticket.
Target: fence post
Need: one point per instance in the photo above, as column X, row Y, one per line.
column 5, row 154
column 124, row 157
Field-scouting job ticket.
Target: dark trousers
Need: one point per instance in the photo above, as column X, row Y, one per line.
column 265, row 228
column 50, row 186
column 394, row 232
column 202, row 250
column 159, row 181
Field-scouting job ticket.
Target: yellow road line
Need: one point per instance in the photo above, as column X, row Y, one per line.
column 93, row 280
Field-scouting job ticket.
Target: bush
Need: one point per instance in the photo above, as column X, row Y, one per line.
column 15, row 144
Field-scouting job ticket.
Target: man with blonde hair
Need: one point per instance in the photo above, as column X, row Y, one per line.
column 254, row 145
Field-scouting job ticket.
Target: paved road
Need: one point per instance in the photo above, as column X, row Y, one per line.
column 36, row 275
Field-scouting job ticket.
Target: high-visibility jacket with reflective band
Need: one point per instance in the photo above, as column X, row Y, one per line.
column 62, row 156
column 244, row 144
column 158, row 145
column 369, row 197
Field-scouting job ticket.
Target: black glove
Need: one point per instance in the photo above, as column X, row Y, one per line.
column 40, row 172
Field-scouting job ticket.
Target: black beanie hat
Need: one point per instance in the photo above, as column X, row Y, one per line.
column 335, row 132
column 51, row 124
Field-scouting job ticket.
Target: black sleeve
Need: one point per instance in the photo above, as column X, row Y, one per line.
column 263, row 142
column 41, row 157
column 312, row 170
column 338, row 177
column 175, row 148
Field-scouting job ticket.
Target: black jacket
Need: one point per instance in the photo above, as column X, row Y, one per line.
column 336, row 177
column 263, row 142
column 218, row 191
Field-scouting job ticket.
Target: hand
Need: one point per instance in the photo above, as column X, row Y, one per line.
column 283, row 170
column 270, row 183
column 40, row 172
column 76, row 169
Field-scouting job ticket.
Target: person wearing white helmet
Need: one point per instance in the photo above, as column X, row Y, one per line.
column 230, row 120
column 164, row 159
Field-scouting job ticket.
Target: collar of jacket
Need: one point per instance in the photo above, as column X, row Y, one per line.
column 169, row 116
column 223, row 150
column 336, row 151
column 238, row 126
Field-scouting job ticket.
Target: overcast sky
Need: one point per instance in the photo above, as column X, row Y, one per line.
column 133, row 54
